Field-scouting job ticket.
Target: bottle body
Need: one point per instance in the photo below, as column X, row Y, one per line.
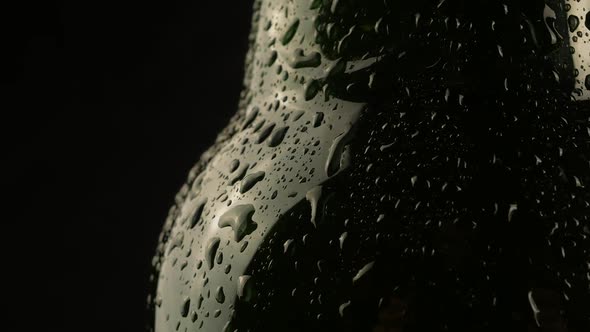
column 392, row 167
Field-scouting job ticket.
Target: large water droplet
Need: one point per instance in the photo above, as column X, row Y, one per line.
column 287, row 245
column 265, row 132
column 290, row 33
column 317, row 119
column 239, row 218
column 250, row 116
column 277, row 137
column 198, row 211
column 343, row 307
column 312, row 89
column 573, row 21
column 342, row 238
column 300, row 60
column 250, row 180
column 313, row 196
column 271, row 58
column 511, row 211
column 244, row 287
column 211, row 251
column 334, row 162
column 534, row 307
column 240, row 173
column 233, row 165
column 549, row 20
column 363, row 271
column 184, row 308
column 219, row 295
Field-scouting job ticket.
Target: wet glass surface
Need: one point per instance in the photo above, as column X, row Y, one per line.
column 393, row 166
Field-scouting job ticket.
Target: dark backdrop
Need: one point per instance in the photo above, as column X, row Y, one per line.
column 114, row 101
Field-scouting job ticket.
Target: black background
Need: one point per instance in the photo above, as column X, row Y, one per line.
column 112, row 104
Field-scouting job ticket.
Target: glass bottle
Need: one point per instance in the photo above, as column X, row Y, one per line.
column 393, row 166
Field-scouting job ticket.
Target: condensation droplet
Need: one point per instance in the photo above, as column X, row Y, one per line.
column 573, row 21
column 334, row 161
column 184, row 308
column 287, row 244
column 342, row 238
column 317, row 119
column 313, row 197
column 277, row 137
column 198, row 211
column 511, row 211
column 300, row 60
column 240, row 173
column 363, row 271
column 343, row 307
column 250, row 180
column 534, row 307
column 312, row 89
column 239, row 218
column 243, row 287
column 211, row 251
column 219, row 295
column 265, row 132
column 290, row 33
column 233, row 165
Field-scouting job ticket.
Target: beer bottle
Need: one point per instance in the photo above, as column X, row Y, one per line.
column 407, row 166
